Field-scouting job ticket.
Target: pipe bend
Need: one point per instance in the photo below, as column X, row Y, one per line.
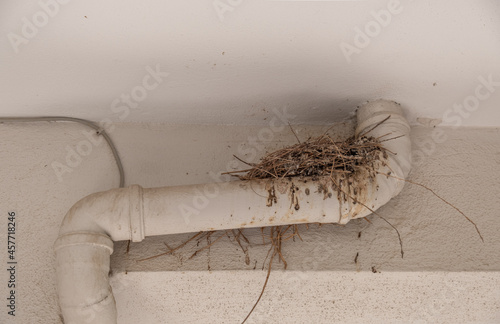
column 394, row 131
column 117, row 213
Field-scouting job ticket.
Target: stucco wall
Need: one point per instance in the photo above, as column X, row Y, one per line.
column 447, row 275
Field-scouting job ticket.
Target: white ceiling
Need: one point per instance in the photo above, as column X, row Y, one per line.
column 262, row 54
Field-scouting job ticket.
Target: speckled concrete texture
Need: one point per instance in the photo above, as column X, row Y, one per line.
column 308, row 297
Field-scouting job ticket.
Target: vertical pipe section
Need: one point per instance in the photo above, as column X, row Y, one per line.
column 83, row 251
column 82, row 267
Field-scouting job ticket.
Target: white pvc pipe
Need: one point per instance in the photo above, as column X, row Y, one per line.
column 90, row 227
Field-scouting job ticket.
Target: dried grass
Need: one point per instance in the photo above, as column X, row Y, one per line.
column 321, row 156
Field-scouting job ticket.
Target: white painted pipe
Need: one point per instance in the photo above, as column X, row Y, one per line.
column 87, row 232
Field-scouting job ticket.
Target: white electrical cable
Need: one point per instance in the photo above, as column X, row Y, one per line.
column 91, row 124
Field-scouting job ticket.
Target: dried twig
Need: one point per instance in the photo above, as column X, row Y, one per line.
column 375, row 213
column 205, row 247
column 277, row 233
column 376, row 125
column 174, row 249
column 263, row 288
column 291, row 128
column 435, row 194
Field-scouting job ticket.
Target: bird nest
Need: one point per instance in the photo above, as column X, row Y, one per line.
column 320, row 156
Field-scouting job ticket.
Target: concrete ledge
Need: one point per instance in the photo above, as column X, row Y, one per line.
column 297, row 297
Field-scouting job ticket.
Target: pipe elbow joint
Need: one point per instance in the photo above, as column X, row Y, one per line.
column 384, row 119
column 116, row 213
column 83, row 248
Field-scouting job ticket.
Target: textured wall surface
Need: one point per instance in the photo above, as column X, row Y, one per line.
column 309, row 297
column 447, row 276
